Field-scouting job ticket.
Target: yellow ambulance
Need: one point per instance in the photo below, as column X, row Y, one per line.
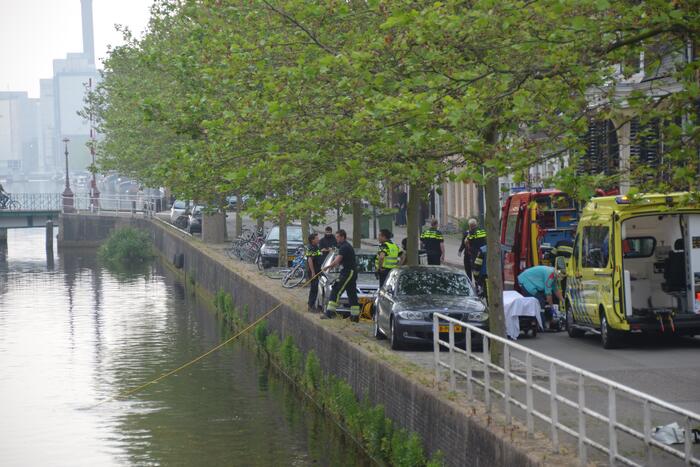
column 635, row 267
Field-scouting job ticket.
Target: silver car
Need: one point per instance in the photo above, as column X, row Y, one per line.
column 367, row 282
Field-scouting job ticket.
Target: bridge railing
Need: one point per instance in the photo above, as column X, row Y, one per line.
column 596, row 412
column 123, row 204
column 19, row 202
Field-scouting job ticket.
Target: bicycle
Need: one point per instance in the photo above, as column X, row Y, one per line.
column 9, row 204
column 297, row 273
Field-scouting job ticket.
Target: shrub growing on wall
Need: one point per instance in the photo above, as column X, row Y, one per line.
column 127, row 247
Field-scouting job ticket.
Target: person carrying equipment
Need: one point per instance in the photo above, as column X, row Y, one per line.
column 434, row 244
column 387, row 256
column 347, row 281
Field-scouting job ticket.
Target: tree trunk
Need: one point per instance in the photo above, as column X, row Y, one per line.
column 493, row 266
column 282, row 261
column 305, row 227
column 338, row 217
column 356, row 223
column 214, row 227
column 413, row 224
column 239, row 217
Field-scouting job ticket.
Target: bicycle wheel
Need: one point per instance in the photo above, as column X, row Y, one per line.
column 294, row 277
column 259, row 262
column 12, row 205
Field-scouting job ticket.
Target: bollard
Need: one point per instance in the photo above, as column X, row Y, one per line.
column 3, row 236
column 49, row 235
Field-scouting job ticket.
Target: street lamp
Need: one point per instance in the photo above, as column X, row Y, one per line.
column 68, row 201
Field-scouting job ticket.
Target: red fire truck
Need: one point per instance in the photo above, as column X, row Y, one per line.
column 532, row 223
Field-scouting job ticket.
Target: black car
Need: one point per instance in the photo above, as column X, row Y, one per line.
column 405, row 305
column 269, row 252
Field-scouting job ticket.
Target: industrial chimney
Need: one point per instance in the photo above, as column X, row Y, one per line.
column 88, row 38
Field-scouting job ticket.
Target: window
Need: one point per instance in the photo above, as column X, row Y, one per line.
column 511, row 223
column 638, row 247
column 293, row 234
column 595, row 247
column 577, row 248
column 434, row 283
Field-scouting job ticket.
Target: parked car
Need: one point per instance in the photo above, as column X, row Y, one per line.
column 635, row 268
column 367, row 282
column 404, row 307
column 194, row 219
column 232, row 202
column 269, row 251
column 178, row 209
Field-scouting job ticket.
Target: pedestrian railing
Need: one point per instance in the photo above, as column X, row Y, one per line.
column 111, row 204
column 544, row 390
column 19, row 202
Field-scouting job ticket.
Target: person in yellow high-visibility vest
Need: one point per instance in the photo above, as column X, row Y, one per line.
column 387, row 256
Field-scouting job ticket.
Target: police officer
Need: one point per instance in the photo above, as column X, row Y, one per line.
column 434, row 244
column 480, row 271
column 313, row 260
column 327, row 243
column 473, row 240
column 347, row 282
column 387, row 256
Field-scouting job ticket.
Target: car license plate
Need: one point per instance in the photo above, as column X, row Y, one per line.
column 446, row 328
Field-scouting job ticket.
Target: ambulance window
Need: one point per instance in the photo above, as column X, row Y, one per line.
column 595, row 247
column 577, row 248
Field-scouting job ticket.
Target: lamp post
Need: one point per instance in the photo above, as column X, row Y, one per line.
column 68, row 201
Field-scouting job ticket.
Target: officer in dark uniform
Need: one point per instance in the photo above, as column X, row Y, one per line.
column 313, row 260
column 347, row 282
column 475, row 238
column 434, row 244
column 327, row 243
column 387, row 256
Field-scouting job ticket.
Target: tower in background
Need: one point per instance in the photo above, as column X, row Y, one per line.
column 88, row 33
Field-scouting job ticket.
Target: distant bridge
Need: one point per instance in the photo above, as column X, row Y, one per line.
column 24, row 210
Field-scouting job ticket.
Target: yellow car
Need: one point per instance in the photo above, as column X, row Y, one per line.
column 635, row 267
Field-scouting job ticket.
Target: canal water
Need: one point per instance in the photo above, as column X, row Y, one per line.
column 73, row 334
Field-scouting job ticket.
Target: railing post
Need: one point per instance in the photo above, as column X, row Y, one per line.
column 506, row 382
column 612, row 421
column 582, row 452
column 528, row 393
column 487, row 373
column 436, row 347
column 470, row 388
column 688, row 440
column 452, row 356
column 647, row 431
column 554, row 406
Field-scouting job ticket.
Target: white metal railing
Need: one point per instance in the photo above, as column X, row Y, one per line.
column 111, row 204
column 477, row 369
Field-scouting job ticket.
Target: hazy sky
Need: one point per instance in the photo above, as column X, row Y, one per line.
column 34, row 32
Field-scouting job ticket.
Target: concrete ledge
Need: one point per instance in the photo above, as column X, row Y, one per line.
column 466, row 434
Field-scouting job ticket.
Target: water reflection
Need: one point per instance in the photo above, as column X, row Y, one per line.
column 77, row 334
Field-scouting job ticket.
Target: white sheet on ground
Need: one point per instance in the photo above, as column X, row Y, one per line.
column 515, row 305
